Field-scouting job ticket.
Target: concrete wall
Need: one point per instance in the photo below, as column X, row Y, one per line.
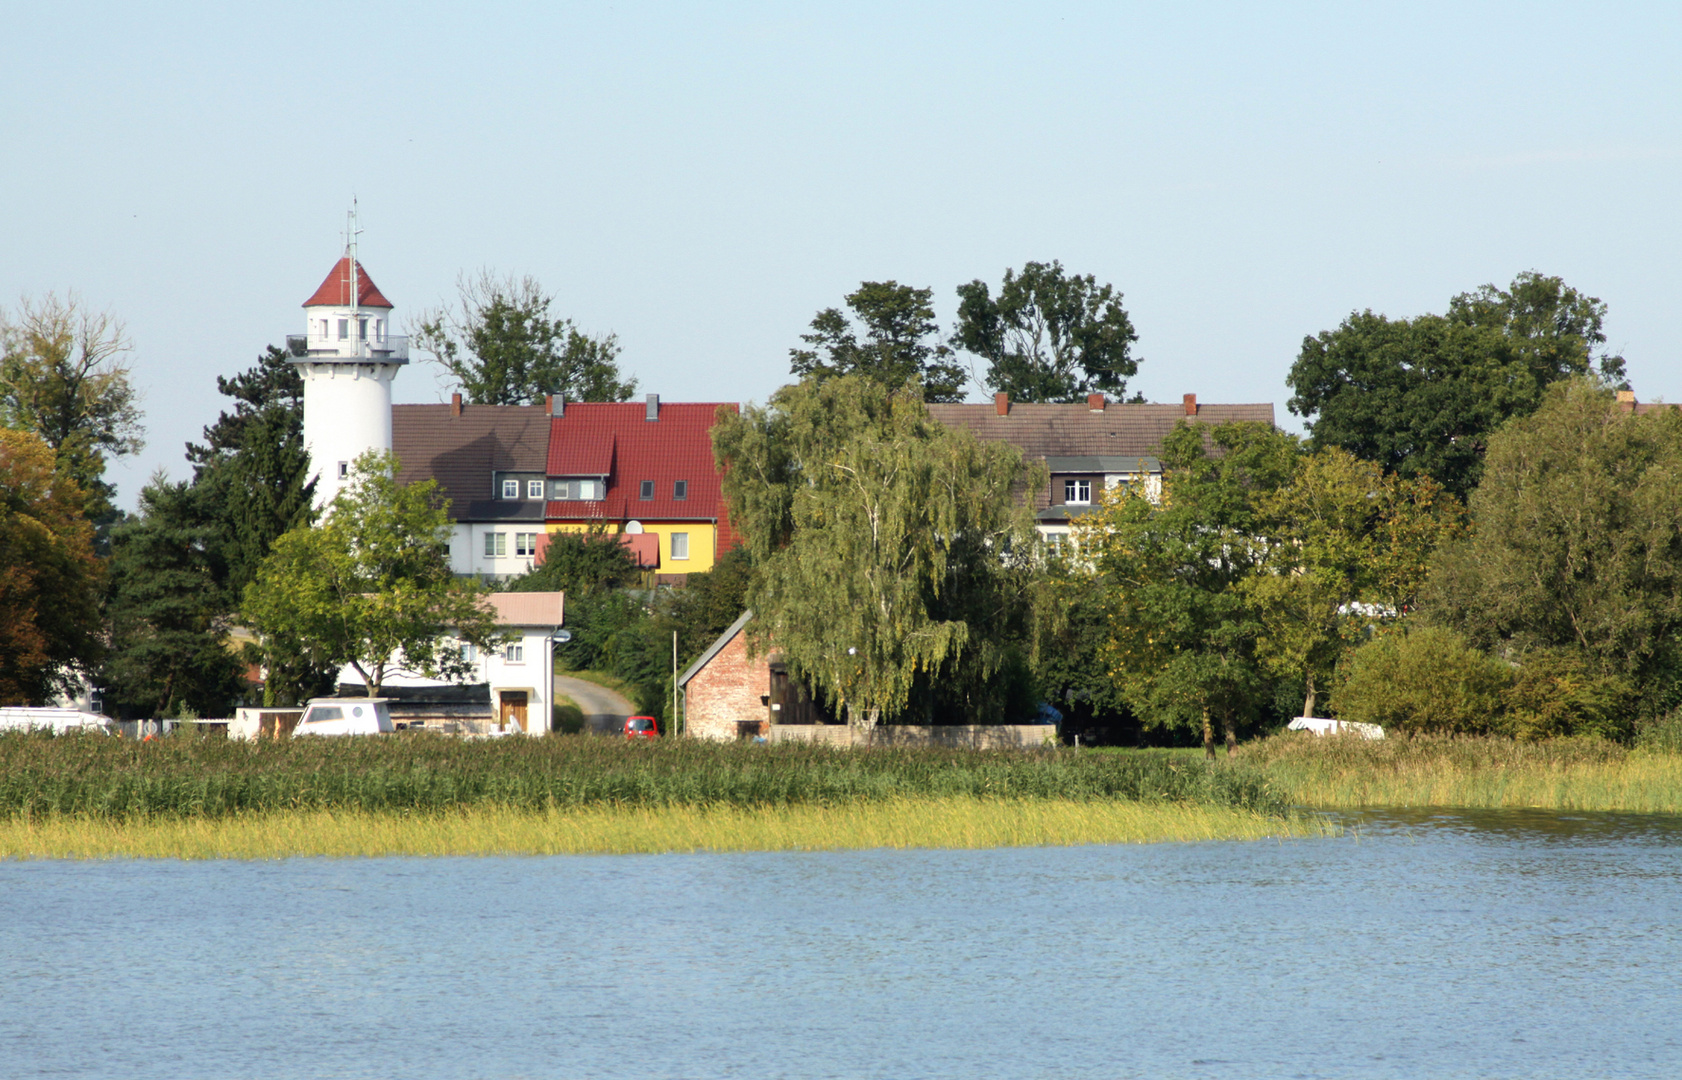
column 974, row 736
column 727, row 693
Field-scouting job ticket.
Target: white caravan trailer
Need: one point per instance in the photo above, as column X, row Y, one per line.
column 58, row 721
column 345, row 716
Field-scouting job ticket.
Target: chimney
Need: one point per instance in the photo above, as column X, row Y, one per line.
column 652, row 411
column 1191, row 404
column 455, row 404
column 1095, row 402
column 1626, row 400
column 555, row 404
column 1001, row 404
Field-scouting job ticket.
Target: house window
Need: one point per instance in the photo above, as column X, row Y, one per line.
column 510, row 489
column 680, row 489
column 647, row 490
column 344, row 329
column 514, row 652
column 534, row 489
column 496, row 543
column 1077, row 492
column 525, row 543
column 344, row 470
column 468, row 652
column 680, row 545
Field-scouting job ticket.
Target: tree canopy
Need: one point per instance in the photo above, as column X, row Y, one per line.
column 169, row 651
column 502, row 345
column 63, row 377
column 1183, row 633
column 579, row 563
column 251, row 475
column 1422, row 396
column 895, row 341
column 1048, row 335
column 371, row 587
column 1577, row 542
column 882, row 543
column 50, row 579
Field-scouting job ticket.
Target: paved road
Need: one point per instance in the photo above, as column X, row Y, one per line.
column 604, row 710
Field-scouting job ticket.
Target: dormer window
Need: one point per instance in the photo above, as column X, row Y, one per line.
column 647, row 492
column 510, row 489
column 534, row 489
column 1077, row 492
column 680, row 489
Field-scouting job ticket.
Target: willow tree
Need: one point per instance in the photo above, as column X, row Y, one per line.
column 883, row 542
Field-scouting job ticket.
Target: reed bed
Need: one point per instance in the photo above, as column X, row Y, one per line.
column 97, row 777
column 1348, row 772
column 952, row 822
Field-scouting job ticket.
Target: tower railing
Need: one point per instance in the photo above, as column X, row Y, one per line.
column 391, row 347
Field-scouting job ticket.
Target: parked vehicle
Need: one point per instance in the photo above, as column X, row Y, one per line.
column 642, row 727
column 345, row 716
column 57, row 721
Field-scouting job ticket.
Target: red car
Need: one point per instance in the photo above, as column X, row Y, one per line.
column 641, row 727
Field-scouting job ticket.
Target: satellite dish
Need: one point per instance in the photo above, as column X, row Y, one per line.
column 633, row 528
column 563, row 635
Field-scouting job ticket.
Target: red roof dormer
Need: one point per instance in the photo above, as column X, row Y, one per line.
column 335, row 291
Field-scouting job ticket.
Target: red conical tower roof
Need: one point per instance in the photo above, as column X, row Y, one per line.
column 335, row 291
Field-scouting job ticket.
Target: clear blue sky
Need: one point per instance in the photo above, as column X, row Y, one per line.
column 701, row 179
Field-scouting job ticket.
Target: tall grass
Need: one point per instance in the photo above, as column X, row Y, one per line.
column 108, row 778
column 1472, row 772
column 960, row 822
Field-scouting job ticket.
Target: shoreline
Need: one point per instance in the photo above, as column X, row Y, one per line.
column 944, row 823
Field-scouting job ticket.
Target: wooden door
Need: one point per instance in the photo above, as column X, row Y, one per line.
column 513, row 709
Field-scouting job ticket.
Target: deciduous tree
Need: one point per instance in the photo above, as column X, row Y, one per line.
column 503, row 346
column 371, row 587
column 1048, row 335
column 50, row 579
column 895, row 341
column 882, row 542
column 1422, row 396
column 1577, row 542
column 63, row 377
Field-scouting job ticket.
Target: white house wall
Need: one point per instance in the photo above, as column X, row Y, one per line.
column 534, row 674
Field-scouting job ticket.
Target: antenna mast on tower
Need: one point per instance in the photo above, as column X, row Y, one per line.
column 351, row 233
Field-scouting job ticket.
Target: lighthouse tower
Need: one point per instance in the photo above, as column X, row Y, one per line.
column 348, row 358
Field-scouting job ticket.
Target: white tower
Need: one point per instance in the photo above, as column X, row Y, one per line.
column 348, row 358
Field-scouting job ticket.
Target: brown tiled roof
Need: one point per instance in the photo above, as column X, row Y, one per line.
column 461, row 452
column 1042, row 431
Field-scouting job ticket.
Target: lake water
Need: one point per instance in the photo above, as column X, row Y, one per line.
column 1505, row 944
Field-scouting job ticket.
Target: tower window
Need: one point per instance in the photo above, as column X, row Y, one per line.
column 647, row 490
column 344, row 329
column 323, row 324
column 362, row 329
column 680, row 489
column 344, row 470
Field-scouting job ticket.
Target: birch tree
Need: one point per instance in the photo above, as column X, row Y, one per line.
column 884, row 544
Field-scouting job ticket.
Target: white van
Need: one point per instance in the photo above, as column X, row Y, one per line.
column 345, row 716
column 57, row 721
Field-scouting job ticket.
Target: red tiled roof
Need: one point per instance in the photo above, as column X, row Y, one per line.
column 677, row 446
column 582, row 457
column 335, row 291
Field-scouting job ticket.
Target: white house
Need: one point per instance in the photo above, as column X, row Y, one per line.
column 519, row 677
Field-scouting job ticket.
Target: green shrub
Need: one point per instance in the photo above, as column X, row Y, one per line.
column 1428, row 680
column 1555, row 694
column 1662, row 733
